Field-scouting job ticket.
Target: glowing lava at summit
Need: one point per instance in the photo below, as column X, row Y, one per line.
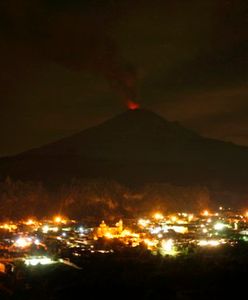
column 132, row 105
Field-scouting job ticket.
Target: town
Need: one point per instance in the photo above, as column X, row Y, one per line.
column 38, row 242
column 89, row 254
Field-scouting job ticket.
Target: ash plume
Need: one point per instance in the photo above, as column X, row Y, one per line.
column 78, row 37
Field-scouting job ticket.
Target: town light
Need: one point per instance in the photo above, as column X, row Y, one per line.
column 219, row 226
column 205, row 213
column 42, row 260
column 22, row 242
column 168, row 247
column 158, row 216
column 57, row 219
column 213, row 243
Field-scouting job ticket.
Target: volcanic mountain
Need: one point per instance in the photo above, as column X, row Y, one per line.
column 135, row 147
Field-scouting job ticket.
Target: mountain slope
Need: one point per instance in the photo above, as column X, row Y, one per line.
column 136, row 146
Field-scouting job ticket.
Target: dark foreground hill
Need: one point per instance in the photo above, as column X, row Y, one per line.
column 135, row 147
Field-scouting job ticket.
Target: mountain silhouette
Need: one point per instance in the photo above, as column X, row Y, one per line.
column 134, row 147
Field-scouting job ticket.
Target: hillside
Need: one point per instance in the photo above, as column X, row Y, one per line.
column 135, row 147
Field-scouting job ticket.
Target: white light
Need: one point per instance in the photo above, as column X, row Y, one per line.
column 34, row 261
column 45, row 229
column 213, row 243
column 81, row 229
column 155, row 230
column 219, row 226
column 22, row 242
column 167, row 245
column 244, row 232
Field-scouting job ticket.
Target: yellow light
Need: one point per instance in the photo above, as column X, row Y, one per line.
column 10, row 227
column 150, row 243
column 125, row 233
column 205, row 213
column 30, row 222
column 174, row 219
column 179, row 229
column 109, row 235
column 57, row 219
column 143, row 222
column 190, row 217
column 47, row 228
column 158, row 216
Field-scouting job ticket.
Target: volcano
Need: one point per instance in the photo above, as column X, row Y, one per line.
column 134, row 147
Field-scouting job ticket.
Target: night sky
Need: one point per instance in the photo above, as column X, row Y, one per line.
column 66, row 65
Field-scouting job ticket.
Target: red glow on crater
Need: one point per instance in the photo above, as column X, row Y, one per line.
column 132, row 105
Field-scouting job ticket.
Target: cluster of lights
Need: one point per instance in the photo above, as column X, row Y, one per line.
column 220, row 226
column 40, row 260
column 161, row 233
column 9, row 227
column 25, row 242
column 212, row 243
column 168, row 247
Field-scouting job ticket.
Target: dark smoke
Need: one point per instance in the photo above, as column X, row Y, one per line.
column 79, row 37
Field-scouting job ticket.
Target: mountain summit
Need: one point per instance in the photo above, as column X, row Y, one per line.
column 136, row 146
column 135, row 135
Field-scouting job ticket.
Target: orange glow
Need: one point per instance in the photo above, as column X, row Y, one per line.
column 151, row 243
column 30, row 222
column 109, row 235
column 158, row 216
column 143, row 222
column 10, row 227
column 59, row 219
column 205, row 213
column 132, row 105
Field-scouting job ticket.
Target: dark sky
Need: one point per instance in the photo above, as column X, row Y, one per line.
column 69, row 64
